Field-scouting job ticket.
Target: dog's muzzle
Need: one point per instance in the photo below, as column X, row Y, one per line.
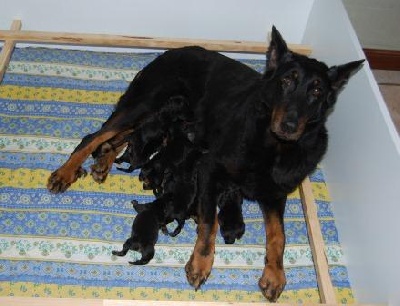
column 287, row 126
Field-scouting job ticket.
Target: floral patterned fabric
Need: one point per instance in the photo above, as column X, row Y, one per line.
column 60, row 245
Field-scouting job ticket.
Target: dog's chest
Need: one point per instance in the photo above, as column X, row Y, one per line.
column 256, row 173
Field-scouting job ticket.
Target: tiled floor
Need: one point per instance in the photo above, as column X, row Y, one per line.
column 389, row 84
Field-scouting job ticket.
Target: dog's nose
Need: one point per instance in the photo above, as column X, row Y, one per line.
column 289, row 126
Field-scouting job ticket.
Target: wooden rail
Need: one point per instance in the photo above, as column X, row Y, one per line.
column 317, row 244
column 17, row 301
column 108, row 40
column 8, row 48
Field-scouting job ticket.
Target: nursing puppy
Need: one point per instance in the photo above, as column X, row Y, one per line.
column 144, row 234
column 154, row 132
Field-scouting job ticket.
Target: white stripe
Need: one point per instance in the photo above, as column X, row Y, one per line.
column 71, row 71
column 34, row 144
column 226, row 256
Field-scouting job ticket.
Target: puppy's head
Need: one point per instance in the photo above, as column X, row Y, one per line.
column 300, row 90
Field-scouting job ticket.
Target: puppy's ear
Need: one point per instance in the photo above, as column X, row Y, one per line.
column 277, row 50
column 339, row 75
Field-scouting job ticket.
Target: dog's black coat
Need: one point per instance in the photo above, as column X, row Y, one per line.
column 263, row 132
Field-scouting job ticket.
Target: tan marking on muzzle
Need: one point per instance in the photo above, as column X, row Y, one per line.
column 278, row 118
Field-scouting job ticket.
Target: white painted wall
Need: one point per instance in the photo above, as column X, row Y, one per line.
column 362, row 165
column 376, row 22
column 222, row 19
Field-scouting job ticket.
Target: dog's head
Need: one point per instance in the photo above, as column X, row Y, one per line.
column 300, row 90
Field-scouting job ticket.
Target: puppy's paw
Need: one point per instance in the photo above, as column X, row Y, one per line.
column 272, row 283
column 118, row 253
column 139, row 262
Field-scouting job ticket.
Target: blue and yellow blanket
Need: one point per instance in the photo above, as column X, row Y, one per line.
column 60, row 245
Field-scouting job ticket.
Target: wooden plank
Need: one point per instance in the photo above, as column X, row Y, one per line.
column 317, row 244
column 25, row 301
column 7, row 49
column 108, row 40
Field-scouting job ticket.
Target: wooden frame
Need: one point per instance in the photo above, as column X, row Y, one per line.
column 14, row 35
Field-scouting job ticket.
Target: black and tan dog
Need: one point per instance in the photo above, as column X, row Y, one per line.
column 265, row 132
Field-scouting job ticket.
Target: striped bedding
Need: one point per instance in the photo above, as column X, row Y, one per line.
column 60, row 245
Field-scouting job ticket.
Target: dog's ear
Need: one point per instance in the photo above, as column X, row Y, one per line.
column 339, row 75
column 277, row 50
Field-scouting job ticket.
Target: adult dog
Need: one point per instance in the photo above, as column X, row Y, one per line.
column 263, row 132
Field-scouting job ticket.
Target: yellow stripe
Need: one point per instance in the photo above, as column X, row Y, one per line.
column 52, row 117
column 26, row 289
column 37, row 178
column 58, row 94
column 320, row 192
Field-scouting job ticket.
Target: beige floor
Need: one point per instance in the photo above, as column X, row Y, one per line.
column 389, row 84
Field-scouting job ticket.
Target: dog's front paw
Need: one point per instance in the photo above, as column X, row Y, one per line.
column 60, row 180
column 99, row 171
column 198, row 268
column 272, row 283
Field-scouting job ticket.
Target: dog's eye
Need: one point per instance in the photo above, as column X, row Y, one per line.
column 316, row 92
column 286, row 81
column 295, row 75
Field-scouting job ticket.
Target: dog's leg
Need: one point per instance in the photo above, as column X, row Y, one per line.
column 273, row 280
column 199, row 266
column 147, row 252
column 71, row 170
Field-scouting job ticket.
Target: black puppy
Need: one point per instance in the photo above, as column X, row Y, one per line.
column 144, row 233
column 172, row 174
column 169, row 159
column 154, row 131
column 230, row 216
